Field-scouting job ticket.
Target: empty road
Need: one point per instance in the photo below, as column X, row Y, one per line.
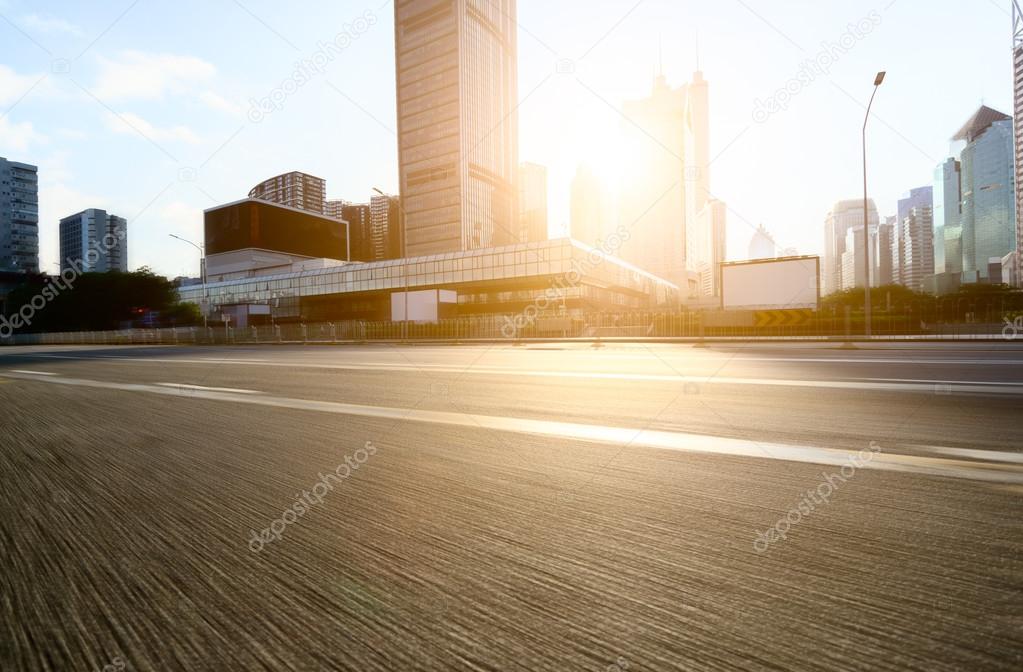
column 541, row 507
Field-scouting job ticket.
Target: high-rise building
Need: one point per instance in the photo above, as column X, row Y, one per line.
column 852, row 256
column 919, row 197
column 881, row 252
column 360, row 228
column 590, row 209
column 947, row 210
column 712, row 220
column 295, row 190
column 917, row 247
column 94, row 241
column 19, row 217
column 843, row 216
column 457, row 125
column 385, row 225
column 988, row 191
column 532, row 203
column 1017, row 100
column 666, row 190
column 762, row 245
column 652, row 203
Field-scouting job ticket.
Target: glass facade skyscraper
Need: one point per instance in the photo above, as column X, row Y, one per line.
column 457, row 126
column 947, row 212
column 988, row 191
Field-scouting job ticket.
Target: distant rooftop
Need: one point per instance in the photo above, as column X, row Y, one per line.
column 979, row 122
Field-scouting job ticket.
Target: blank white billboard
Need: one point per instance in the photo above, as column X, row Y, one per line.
column 771, row 284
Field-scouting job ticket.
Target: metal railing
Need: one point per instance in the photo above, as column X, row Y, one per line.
column 591, row 326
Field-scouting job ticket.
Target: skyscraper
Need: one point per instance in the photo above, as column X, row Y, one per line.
column 385, row 225
column 19, row 217
column 532, row 203
column 843, row 216
column 666, row 197
column 94, row 241
column 762, row 245
column 947, row 211
column 360, row 228
column 920, row 197
column 917, row 247
column 988, row 191
column 457, row 126
column 652, row 205
column 295, row 190
column 881, row 252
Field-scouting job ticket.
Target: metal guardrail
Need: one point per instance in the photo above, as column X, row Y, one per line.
column 595, row 326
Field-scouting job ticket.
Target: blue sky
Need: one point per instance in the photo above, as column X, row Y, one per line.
column 143, row 107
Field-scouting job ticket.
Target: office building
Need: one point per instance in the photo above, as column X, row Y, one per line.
column 762, row 245
column 852, row 257
column 551, row 278
column 652, row 203
column 917, row 246
column 666, row 191
column 360, row 229
column 590, row 208
column 881, row 252
column 295, row 190
column 843, row 216
column 385, row 226
column 19, row 217
column 947, row 212
column 988, row 191
column 94, row 240
column 252, row 237
column 921, row 197
column 532, row 203
column 457, row 125
column 712, row 220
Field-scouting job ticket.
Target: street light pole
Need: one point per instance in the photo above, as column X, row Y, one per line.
column 866, row 228
column 404, row 256
column 202, row 273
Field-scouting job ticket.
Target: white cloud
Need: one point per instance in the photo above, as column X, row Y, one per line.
column 50, row 25
column 18, row 137
column 137, row 75
column 133, row 124
column 13, row 86
column 217, row 102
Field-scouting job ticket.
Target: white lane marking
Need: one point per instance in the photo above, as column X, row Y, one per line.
column 33, row 373
column 876, row 384
column 185, row 386
column 624, row 436
column 973, row 454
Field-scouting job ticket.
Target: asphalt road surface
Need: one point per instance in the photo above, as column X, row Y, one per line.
column 555, row 507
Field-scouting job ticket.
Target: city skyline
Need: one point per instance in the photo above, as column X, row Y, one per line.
column 186, row 120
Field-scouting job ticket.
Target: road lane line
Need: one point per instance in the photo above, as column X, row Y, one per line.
column 185, row 386
column 873, row 384
column 623, row 436
column 33, row 373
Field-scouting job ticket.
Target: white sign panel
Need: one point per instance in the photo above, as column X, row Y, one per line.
column 771, row 284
